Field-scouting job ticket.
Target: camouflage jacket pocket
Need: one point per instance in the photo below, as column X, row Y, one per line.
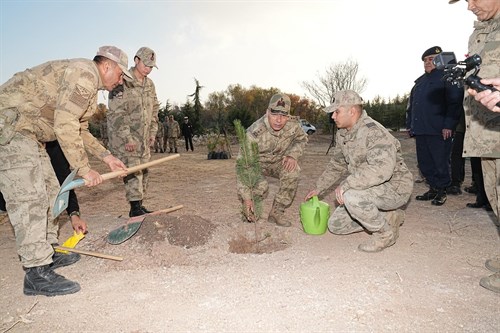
column 8, row 119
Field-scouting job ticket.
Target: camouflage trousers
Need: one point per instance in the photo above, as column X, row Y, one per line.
column 366, row 209
column 158, row 146
column 29, row 186
column 136, row 183
column 288, row 183
column 491, row 176
column 172, row 143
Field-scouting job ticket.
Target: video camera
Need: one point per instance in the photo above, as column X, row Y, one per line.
column 455, row 72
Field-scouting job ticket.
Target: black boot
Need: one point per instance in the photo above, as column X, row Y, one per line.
column 176, row 150
column 429, row 195
column 440, row 198
column 43, row 280
column 61, row 259
column 135, row 209
column 147, row 211
column 171, row 151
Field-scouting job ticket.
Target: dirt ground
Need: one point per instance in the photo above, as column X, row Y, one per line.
column 201, row 269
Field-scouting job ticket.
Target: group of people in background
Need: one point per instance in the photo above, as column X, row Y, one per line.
column 167, row 135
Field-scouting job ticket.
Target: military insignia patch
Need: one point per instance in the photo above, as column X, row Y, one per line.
column 370, row 125
column 80, row 96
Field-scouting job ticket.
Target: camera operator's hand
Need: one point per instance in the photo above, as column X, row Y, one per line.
column 447, row 133
column 488, row 98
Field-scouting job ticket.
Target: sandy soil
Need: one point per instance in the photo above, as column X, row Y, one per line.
column 201, row 269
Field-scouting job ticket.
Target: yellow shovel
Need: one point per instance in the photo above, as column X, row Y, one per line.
column 70, row 243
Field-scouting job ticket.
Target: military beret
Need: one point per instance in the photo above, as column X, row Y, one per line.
column 431, row 51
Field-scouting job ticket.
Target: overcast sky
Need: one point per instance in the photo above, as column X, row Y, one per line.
column 264, row 43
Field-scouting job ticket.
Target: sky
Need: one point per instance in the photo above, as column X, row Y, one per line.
column 266, row 44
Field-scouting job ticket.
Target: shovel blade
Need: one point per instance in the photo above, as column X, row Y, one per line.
column 121, row 234
column 62, row 199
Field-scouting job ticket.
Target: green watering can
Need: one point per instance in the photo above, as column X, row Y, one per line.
column 314, row 215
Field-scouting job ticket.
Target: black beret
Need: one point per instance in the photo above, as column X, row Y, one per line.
column 432, row 50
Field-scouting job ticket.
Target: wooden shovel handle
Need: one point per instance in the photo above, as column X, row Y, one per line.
column 136, row 168
column 141, row 218
column 89, row 253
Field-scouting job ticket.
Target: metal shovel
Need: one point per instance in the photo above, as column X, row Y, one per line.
column 121, row 234
column 70, row 183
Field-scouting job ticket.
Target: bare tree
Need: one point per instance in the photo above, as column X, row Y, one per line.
column 340, row 76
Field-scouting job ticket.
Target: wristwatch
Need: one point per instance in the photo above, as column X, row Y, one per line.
column 74, row 213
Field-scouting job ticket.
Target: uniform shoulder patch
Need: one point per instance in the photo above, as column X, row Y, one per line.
column 370, row 125
column 80, row 96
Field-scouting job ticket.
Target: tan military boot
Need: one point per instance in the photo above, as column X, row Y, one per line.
column 491, row 282
column 396, row 218
column 493, row 265
column 276, row 215
column 387, row 236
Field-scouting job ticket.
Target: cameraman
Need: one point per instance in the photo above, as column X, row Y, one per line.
column 482, row 137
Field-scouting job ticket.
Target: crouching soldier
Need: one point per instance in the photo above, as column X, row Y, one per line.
column 377, row 183
column 281, row 142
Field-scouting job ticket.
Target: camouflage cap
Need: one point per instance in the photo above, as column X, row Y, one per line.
column 117, row 55
column 147, row 56
column 280, row 104
column 344, row 97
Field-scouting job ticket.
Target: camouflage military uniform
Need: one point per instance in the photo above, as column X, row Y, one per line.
column 273, row 147
column 174, row 132
column 165, row 133
column 133, row 118
column 51, row 101
column 159, row 147
column 482, row 135
column 377, row 178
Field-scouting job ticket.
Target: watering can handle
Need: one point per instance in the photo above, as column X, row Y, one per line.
column 315, row 201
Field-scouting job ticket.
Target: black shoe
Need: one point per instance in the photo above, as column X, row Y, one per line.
column 429, row 195
column 61, row 259
column 454, row 190
column 476, row 204
column 439, row 199
column 136, row 209
column 147, row 211
column 43, row 280
column 471, row 189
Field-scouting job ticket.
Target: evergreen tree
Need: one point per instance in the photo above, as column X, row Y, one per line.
column 248, row 167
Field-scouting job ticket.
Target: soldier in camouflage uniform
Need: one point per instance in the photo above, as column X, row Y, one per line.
column 377, row 182
column 281, row 142
column 51, row 101
column 174, row 132
column 165, row 133
column 482, row 135
column 132, row 125
column 159, row 147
